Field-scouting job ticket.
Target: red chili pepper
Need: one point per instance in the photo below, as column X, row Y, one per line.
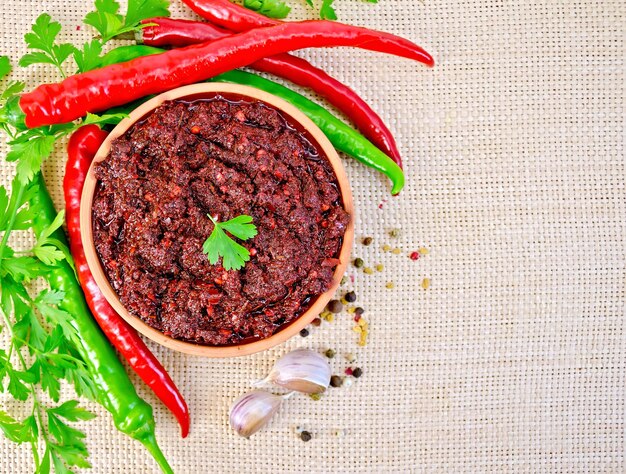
column 81, row 149
column 119, row 84
column 229, row 15
column 173, row 32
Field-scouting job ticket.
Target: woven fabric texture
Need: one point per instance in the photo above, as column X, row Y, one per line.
column 514, row 359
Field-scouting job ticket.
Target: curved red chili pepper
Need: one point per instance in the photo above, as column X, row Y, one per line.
column 119, row 84
column 175, row 32
column 229, row 15
column 82, row 147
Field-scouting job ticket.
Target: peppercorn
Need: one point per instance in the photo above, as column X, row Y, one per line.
column 304, row 332
column 367, row 241
column 334, row 306
column 348, row 371
column 356, row 373
column 305, row 436
column 336, row 381
column 358, row 262
column 359, row 311
column 316, row 322
column 414, row 256
column 350, row 297
column 329, row 353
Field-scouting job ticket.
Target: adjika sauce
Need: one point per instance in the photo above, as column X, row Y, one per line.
column 226, row 158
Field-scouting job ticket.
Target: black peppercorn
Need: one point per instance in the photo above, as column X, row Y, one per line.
column 316, row 322
column 350, row 297
column 329, row 353
column 305, row 436
column 334, row 306
column 304, row 332
column 356, row 373
column 359, row 311
column 367, row 241
column 336, row 381
column 358, row 262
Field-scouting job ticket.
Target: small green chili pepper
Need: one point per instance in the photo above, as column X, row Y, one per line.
column 126, row 53
column 131, row 414
column 342, row 136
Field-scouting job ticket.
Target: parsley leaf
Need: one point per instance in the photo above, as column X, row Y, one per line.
column 31, row 153
column 141, row 9
column 109, row 23
column 327, row 12
column 106, row 119
column 89, row 57
column 5, row 66
column 43, row 40
column 14, row 430
column 219, row 244
column 269, row 8
column 106, row 19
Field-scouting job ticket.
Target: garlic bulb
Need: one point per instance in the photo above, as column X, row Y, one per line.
column 302, row 370
column 252, row 411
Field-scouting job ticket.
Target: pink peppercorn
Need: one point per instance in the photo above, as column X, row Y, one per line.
column 349, row 371
column 414, row 256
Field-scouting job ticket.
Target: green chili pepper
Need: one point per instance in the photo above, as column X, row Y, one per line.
column 343, row 137
column 131, row 414
column 126, row 53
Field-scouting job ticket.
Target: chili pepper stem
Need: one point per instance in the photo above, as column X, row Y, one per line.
column 150, row 443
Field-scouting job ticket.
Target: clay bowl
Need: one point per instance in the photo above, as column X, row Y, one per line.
column 199, row 91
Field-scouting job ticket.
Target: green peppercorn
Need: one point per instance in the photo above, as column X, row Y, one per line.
column 356, row 373
column 359, row 311
column 367, row 241
column 304, row 332
column 394, row 232
column 329, row 353
column 350, row 297
column 334, row 306
column 305, row 436
column 358, row 262
column 336, row 381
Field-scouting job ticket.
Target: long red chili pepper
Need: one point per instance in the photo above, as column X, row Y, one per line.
column 173, row 32
column 81, row 149
column 118, row 84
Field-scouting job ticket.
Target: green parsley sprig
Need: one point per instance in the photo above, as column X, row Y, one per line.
column 40, row 354
column 41, row 337
column 219, row 244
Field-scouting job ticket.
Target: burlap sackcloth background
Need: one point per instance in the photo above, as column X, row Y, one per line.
column 514, row 360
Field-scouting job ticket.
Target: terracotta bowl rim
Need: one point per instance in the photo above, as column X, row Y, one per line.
column 197, row 91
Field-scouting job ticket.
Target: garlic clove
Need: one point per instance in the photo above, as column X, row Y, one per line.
column 252, row 411
column 302, row 370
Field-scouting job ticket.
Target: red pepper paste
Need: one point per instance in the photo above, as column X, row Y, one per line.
column 224, row 157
